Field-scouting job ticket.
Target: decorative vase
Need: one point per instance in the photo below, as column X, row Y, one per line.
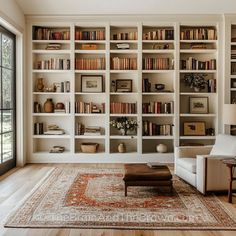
column 124, row 132
column 161, row 148
column 40, row 85
column 121, row 148
column 60, row 105
column 48, row 106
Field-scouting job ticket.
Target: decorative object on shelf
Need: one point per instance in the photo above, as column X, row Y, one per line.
column 91, row 83
column 113, row 86
column 122, row 46
column 48, row 106
column 60, row 105
column 37, row 107
column 195, row 128
column 198, row 105
column 161, row 148
column 195, row 81
column 40, row 85
column 159, row 87
column 89, row 46
column 121, row 147
column 57, row 149
column 89, row 147
column 124, row 124
column 123, row 85
column 229, row 116
column 210, row 132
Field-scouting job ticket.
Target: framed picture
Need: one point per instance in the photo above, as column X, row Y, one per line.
column 198, row 105
column 196, row 128
column 123, row 85
column 91, row 83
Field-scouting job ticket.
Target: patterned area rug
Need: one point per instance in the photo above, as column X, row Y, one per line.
column 94, row 198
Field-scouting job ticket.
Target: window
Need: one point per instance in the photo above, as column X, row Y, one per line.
column 7, row 101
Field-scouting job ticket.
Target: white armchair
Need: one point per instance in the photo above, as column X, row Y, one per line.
column 201, row 166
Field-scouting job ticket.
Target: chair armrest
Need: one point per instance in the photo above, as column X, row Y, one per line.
column 211, row 173
column 192, row 151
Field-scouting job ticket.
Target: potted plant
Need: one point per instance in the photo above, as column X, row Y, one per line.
column 195, row 81
column 124, row 124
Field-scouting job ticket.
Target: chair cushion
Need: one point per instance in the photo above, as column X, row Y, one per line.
column 188, row 164
column 224, row 145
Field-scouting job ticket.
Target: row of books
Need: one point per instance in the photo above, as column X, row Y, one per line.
column 233, row 54
column 123, row 63
column 160, row 34
column 211, row 85
column 157, row 64
column 198, row 34
column 158, row 107
column 89, row 107
column 90, row 35
column 80, row 129
column 194, row 64
column 125, row 36
column 152, row 129
column 38, row 128
column 90, row 63
column 53, row 64
column 233, row 68
column 50, row 34
column 62, row 87
column 122, row 108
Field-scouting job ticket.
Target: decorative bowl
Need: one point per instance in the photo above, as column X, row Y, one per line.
column 159, row 87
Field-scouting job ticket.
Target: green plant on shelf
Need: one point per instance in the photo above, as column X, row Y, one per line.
column 124, row 124
column 195, row 81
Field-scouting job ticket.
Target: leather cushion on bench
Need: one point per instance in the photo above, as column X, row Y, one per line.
column 142, row 172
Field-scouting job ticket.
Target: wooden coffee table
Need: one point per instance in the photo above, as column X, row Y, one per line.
column 231, row 164
column 143, row 175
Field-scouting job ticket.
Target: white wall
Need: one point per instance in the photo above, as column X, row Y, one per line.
column 12, row 13
column 78, row 7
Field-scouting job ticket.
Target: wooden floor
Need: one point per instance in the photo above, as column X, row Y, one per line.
column 18, row 182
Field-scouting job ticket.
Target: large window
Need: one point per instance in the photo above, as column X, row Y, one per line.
column 7, row 100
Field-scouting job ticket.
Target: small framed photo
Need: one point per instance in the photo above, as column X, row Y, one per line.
column 198, row 105
column 123, row 85
column 92, row 83
column 196, row 128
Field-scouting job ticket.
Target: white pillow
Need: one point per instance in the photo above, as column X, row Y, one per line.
column 224, row 145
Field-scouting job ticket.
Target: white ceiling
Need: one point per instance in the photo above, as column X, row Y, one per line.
column 78, row 7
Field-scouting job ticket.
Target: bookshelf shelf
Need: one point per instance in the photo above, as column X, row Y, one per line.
column 157, row 42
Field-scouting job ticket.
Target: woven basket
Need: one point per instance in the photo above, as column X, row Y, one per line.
column 89, row 147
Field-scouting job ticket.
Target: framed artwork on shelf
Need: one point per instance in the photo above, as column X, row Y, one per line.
column 195, row 128
column 91, row 83
column 123, row 85
column 198, row 105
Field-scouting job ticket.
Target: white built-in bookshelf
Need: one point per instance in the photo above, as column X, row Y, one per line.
column 155, row 57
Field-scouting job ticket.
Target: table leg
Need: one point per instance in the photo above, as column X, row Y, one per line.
column 230, row 186
column 126, row 190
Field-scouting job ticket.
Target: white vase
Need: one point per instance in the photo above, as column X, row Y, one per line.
column 121, row 148
column 161, row 148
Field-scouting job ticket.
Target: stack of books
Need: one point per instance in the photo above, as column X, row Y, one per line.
column 233, row 54
column 90, row 63
column 122, row 46
column 53, row 46
column 54, row 130
column 92, row 130
column 57, row 149
column 85, row 107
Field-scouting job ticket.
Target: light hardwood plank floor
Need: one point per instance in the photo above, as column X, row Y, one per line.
column 15, row 184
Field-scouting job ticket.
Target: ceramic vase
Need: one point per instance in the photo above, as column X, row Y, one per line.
column 121, row 148
column 161, row 148
column 40, row 85
column 48, row 106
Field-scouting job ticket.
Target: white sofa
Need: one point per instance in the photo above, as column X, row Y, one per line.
column 202, row 167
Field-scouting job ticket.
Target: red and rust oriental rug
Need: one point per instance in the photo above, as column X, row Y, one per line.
column 94, row 198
